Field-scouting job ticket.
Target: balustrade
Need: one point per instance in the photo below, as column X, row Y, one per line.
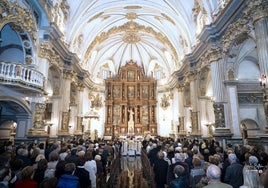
column 16, row 72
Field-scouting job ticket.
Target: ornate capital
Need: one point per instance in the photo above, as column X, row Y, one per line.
column 68, row 74
column 236, row 33
column 46, row 52
column 80, row 86
column 180, row 87
column 213, row 54
column 258, row 9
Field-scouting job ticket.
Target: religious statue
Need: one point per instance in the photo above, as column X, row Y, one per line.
column 244, row 133
column 131, row 114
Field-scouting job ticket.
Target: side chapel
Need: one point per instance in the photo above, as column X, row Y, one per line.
column 130, row 102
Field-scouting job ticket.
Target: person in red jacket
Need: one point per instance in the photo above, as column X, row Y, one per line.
column 26, row 180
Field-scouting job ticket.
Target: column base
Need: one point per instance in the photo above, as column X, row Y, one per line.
column 36, row 132
column 182, row 133
column 222, row 132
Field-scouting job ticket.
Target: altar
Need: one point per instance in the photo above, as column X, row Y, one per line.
column 130, row 102
column 131, row 147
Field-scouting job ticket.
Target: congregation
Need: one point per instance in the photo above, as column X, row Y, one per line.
column 205, row 163
column 180, row 163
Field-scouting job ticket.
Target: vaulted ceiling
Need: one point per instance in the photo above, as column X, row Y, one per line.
column 155, row 34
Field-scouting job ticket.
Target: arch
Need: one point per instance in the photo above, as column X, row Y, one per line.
column 250, row 124
column 24, row 106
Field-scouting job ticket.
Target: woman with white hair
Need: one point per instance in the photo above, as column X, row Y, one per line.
column 251, row 173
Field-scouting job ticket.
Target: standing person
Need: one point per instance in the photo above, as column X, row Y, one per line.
column 91, row 167
column 39, row 174
column 26, row 180
column 82, row 174
column 214, row 178
column 180, row 180
column 100, row 178
column 234, row 172
column 160, row 170
column 196, row 173
column 68, row 179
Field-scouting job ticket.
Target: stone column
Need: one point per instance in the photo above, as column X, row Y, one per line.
column 79, row 117
column 204, row 122
column 259, row 11
column 220, row 107
column 65, row 115
column 181, row 115
column 194, row 112
column 233, row 109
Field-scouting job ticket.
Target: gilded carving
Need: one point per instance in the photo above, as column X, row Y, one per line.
column 219, row 115
column 203, row 77
column 236, row 33
column 258, row 9
column 22, row 18
column 65, row 120
column 168, row 18
column 68, row 74
column 39, row 115
column 96, row 102
column 130, row 26
column 131, row 38
column 131, row 16
column 194, row 121
column 213, row 55
column 132, row 7
column 165, row 102
column 95, row 17
column 46, row 52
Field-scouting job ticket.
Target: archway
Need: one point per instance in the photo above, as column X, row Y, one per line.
column 247, row 126
column 13, row 119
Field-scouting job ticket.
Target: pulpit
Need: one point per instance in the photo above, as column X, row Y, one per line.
column 130, row 102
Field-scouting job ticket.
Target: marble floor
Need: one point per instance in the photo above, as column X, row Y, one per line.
column 131, row 164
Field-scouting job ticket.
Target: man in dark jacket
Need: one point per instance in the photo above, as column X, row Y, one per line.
column 234, row 172
column 160, row 170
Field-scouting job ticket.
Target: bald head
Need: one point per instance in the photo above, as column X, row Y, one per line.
column 213, row 172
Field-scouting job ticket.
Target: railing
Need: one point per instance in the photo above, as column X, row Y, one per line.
column 19, row 73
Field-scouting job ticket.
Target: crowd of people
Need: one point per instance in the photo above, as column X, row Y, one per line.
column 71, row 164
column 204, row 163
column 181, row 163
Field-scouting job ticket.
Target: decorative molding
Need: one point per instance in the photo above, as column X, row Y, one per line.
column 219, row 115
column 250, row 98
column 133, row 27
column 21, row 18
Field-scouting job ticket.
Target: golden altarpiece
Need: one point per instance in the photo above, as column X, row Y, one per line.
column 130, row 102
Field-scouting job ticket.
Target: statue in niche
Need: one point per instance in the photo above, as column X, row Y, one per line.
column 39, row 115
column 13, row 128
column 131, row 114
column 244, row 132
column 65, row 120
column 219, row 115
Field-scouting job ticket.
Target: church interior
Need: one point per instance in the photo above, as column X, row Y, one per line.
column 103, row 69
